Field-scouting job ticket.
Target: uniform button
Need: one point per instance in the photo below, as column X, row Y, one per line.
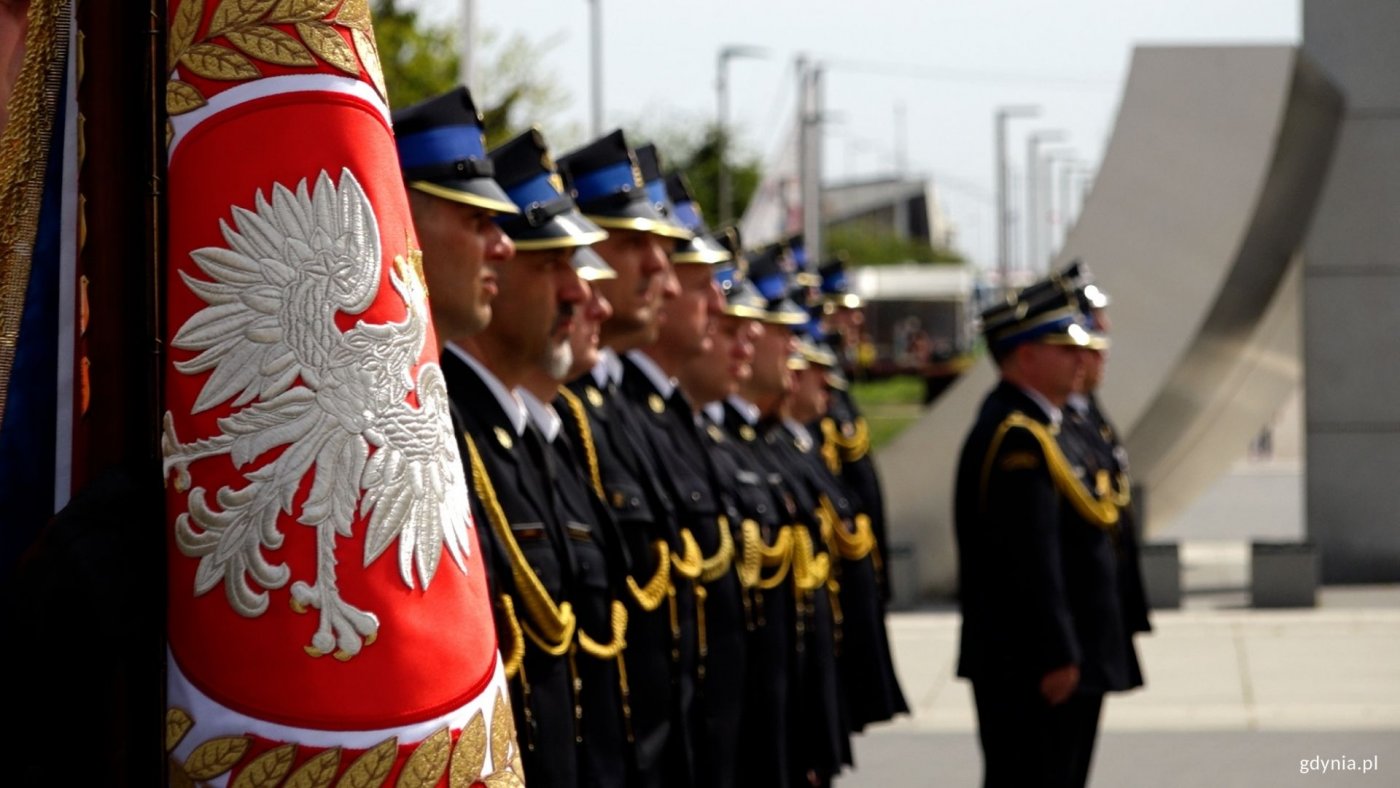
column 635, row 502
column 762, row 508
column 695, row 496
column 843, row 503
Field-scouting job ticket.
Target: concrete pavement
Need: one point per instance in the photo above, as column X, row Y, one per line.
column 1234, row 697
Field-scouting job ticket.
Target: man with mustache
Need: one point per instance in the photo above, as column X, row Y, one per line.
column 661, row 654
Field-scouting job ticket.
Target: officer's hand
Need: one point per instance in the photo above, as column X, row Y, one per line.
column 1057, row 685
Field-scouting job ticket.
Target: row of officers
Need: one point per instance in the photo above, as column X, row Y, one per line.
column 672, row 490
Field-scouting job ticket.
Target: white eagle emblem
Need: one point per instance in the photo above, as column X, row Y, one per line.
column 335, row 402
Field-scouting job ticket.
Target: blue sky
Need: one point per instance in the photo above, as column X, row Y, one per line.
column 950, row 65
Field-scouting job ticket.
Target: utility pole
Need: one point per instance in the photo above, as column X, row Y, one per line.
column 725, row 190
column 810, row 157
column 465, row 62
column 1033, row 217
column 595, row 23
column 1004, row 114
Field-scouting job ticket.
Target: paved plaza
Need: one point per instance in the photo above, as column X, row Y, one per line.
column 1234, row 696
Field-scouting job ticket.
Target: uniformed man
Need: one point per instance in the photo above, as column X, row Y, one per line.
column 662, row 649
column 818, row 742
column 1106, row 457
column 679, row 446
column 1043, row 635
column 755, row 499
column 552, row 237
column 844, row 431
column 869, row 683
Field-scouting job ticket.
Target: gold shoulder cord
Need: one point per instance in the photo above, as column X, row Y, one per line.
column 1100, row 512
column 717, row 565
column 649, row 596
column 516, row 655
column 809, row 569
column 590, row 450
column 556, row 623
column 852, row 546
column 688, row 565
column 850, row 449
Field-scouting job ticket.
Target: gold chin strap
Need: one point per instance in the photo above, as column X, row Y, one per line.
column 1099, row 511
column 553, row 625
column 590, row 449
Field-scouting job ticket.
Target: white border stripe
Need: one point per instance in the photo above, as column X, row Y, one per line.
column 274, row 86
column 212, row 720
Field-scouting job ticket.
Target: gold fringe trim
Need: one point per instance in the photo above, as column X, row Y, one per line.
column 1100, row 512
column 24, row 148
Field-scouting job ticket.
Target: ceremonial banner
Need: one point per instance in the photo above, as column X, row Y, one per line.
column 328, row 612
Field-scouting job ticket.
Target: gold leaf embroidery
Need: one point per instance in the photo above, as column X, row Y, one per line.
column 354, row 15
column 271, row 45
column 182, row 29
column 329, row 46
column 427, row 763
column 176, row 775
column 182, row 97
column 317, row 772
column 502, row 732
column 268, row 769
column 369, row 55
column 470, row 755
column 214, row 757
column 212, row 61
column 238, row 13
column 300, row 10
column 370, row 769
column 504, row 780
column 177, row 724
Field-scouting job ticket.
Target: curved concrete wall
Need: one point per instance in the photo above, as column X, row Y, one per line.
column 1204, row 193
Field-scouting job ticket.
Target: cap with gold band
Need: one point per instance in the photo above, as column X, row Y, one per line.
column 606, row 183
column 547, row 217
column 442, row 152
column 836, row 285
column 591, row 266
column 770, row 269
column 803, row 275
column 1078, row 278
column 1044, row 312
column 649, row 164
column 705, row 248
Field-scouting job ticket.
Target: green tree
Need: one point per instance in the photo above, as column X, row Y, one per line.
column 420, row 60
column 870, row 244
column 694, row 149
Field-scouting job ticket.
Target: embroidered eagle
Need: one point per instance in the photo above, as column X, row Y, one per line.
column 336, row 403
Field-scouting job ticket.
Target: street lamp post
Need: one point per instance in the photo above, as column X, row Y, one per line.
column 595, row 26
column 725, row 190
column 1055, row 209
column 1004, row 114
column 1033, row 222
